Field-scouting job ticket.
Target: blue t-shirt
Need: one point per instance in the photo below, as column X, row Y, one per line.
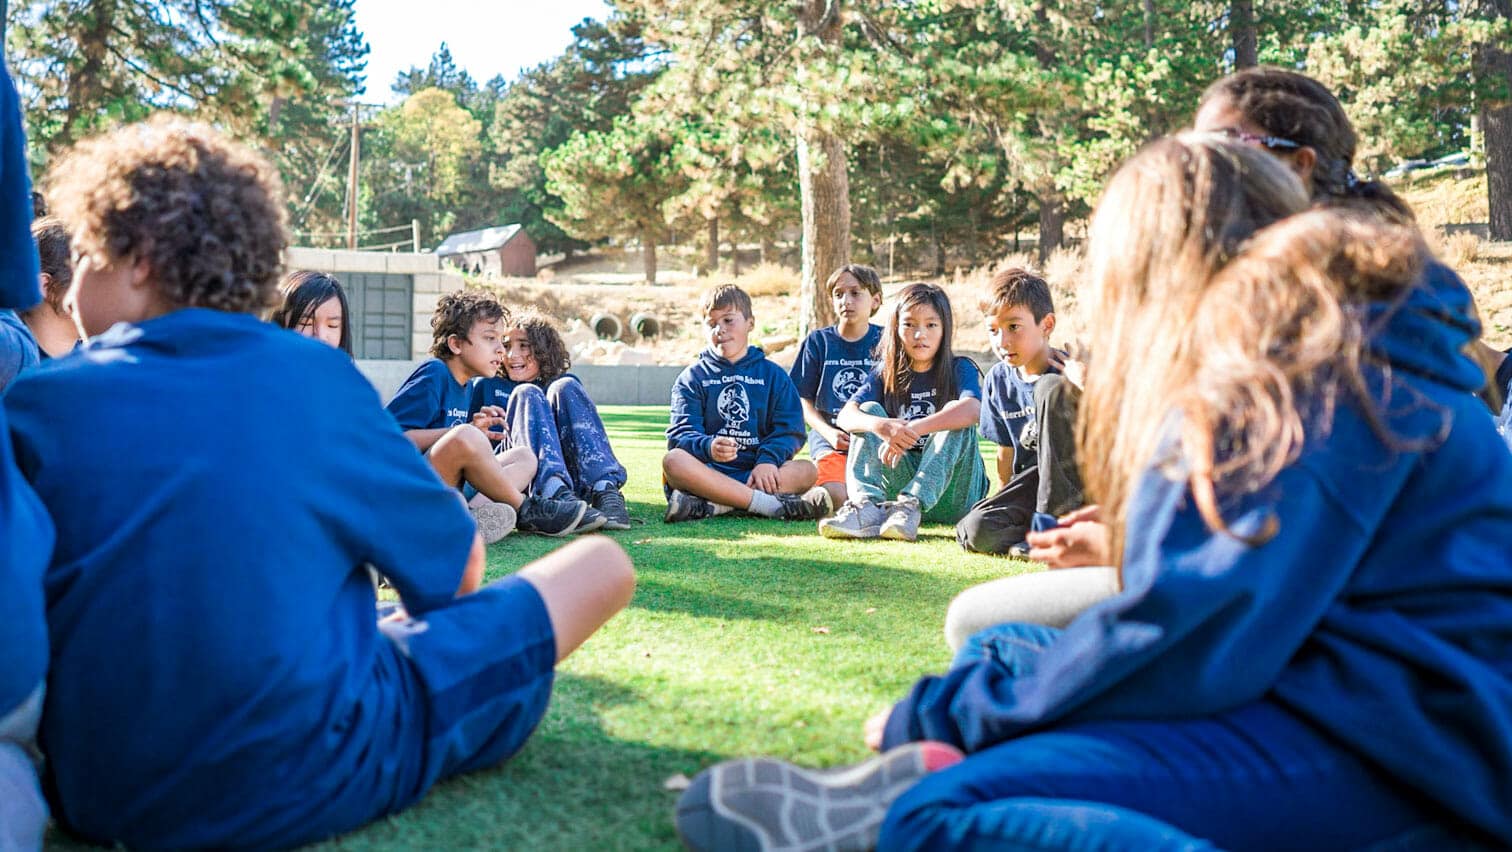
column 18, row 348
column 829, row 371
column 1008, row 412
column 923, row 397
column 430, row 399
column 216, row 666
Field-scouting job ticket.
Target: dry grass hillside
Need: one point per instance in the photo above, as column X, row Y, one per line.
column 1448, row 203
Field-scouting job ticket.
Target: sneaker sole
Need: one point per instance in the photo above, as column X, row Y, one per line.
column 495, row 521
column 766, row 804
column 590, row 526
column 615, row 525
column 570, row 528
column 897, row 534
column 856, row 535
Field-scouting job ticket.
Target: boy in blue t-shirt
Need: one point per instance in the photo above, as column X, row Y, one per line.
column 736, row 424
column 26, row 533
column 1029, row 409
column 432, row 409
column 218, row 677
column 832, row 365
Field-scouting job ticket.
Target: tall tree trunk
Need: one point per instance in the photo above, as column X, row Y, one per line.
column 711, row 252
column 648, row 253
column 1496, row 125
column 1242, row 29
column 768, row 250
column 1149, row 23
column 824, row 184
column 1052, row 224
column 1496, row 130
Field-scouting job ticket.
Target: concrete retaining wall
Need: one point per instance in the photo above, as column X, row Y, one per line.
column 608, row 385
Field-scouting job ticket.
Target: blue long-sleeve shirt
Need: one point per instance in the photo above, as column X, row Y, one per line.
column 751, row 400
column 1381, row 612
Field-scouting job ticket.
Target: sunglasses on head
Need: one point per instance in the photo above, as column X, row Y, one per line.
column 1273, row 143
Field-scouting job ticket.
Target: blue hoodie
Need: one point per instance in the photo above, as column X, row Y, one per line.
column 1381, row 612
column 26, row 532
column 751, row 400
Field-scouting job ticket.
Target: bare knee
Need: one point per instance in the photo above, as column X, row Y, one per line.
column 676, row 462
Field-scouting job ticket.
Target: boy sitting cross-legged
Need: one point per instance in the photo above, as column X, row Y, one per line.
column 1029, row 409
column 217, row 676
column 736, row 424
column 432, row 409
column 832, row 366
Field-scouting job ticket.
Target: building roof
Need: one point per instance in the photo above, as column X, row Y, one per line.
column 487, row 239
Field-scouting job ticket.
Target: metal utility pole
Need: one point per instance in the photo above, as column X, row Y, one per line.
column 351, row 182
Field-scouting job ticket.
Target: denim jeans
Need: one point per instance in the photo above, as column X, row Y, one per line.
column 23, row 814
column 562, row 427
column 1251, row 778
column 947, row 475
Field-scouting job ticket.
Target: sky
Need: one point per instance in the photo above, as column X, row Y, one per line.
column 486, row 37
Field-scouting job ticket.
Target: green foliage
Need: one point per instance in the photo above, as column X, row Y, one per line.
column 420, row 157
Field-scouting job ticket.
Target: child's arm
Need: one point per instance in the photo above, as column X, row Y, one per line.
column 1004, row 463
column 957, row 414
column 816, row 420
column 898, row 433
column 784, row 427
column 686, row 430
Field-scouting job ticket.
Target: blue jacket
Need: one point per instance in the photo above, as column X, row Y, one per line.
column 751, row 400
column 1381, row 612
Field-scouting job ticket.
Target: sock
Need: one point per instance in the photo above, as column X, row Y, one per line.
column 720, row 508
column 553, row 487
column 763, row 503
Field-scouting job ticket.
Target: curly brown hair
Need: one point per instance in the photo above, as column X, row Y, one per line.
column 205, row 213
column 455, row 315
column 546, row 345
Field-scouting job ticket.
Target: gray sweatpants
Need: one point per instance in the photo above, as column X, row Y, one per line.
column 23, row 813
column 1052, row 597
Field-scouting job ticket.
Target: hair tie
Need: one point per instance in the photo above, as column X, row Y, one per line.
column 1350, row 180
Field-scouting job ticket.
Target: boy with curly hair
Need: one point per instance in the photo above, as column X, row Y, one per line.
column 218, row 677
column 548, row 414
column 432, row 409
column 736, row 424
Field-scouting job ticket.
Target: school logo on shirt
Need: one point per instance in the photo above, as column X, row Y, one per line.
column 734, row 406
column 847, row 381
column 919, row 408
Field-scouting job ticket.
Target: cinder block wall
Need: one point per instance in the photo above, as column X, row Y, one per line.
column 424, row 270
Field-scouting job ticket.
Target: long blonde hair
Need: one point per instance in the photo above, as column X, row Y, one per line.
column 1238, row 354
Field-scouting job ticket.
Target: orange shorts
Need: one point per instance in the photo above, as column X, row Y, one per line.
column 831, row 469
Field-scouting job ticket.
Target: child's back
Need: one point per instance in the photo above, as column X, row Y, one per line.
column 214, row 643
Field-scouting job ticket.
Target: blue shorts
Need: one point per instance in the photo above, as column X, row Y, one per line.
column 473, row 680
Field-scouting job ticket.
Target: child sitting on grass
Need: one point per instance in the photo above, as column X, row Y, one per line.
column 548, row 413
column 833, row 364
column 432, row 409
column 913, row 428
column 1029, row 411
column 315, row 305
column 736, row 424
column 217, row 676
column 26, row 533
column 1311, row 527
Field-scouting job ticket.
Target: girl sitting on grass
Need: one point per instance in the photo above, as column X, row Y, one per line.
column 1311, row 513
column 547, row 411
column 913, row 427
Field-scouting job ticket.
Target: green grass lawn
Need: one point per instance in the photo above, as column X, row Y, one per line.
column 745, row 637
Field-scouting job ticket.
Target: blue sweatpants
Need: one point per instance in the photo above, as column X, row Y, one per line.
column 561, row 425
column 1253, row 778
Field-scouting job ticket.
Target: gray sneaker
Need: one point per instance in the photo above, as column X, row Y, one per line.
column 902, row 523
column 494, row 520
column 761, row 803
column 854, row 520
